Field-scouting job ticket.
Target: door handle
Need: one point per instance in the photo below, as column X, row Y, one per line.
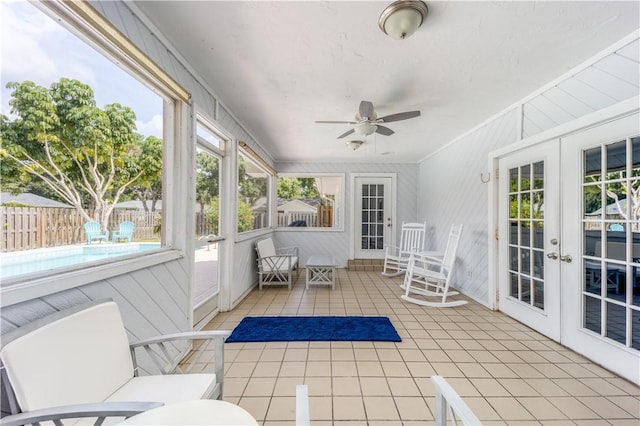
column 566, row 258
column 552, row 255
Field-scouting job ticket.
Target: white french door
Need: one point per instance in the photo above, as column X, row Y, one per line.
column 529, row 278
column 373, row 209
column 601, row 227
column 569, row 241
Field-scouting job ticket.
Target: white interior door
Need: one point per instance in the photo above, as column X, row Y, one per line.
column 601, row 230
column 373, row 216
column 529, row 243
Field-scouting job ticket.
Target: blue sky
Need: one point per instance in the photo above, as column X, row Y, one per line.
column 35, row 47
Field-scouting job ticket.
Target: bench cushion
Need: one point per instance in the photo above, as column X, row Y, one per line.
column 81, row 357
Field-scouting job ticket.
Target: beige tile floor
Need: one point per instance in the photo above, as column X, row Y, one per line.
column 506, row 373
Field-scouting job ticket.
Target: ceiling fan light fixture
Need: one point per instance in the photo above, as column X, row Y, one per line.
column 402, row 18
column 365, row 128
column 355, row 144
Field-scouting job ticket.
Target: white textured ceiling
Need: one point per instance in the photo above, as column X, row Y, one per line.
column 279, row 66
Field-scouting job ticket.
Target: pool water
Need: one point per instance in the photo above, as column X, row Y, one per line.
column 30, row 261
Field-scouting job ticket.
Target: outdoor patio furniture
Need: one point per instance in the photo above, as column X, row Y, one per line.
column 275, row 266
column 450, row 408
column 430, row 276
column 93, row 231
column 411, row 240
column 80, row 360
column 321, row 270
column 125, row 231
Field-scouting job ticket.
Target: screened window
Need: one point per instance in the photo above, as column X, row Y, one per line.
column 310, row 201
column 253, row 193
column 82, row 178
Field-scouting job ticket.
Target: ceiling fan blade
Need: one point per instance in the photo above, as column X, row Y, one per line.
column 336, row 122
column 366, row 109
column 384, row 130
column 347, row 133
column 399, row 116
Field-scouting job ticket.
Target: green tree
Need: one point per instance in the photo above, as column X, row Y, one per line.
column 250, row 187
column 212, row 214
column 88, row 156
column 149, row 190
column 245, row 216
column 297, row 188
column 207, row 179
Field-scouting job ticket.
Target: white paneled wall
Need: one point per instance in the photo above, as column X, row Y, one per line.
column 337, row 243
column 451, row 191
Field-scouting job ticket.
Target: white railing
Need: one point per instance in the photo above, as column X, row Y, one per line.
column 449, row 404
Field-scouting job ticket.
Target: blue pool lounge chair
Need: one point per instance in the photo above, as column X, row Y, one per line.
column 125, row 231
column 93, row 232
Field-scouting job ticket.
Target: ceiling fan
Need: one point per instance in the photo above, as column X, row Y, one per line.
column 367, row 121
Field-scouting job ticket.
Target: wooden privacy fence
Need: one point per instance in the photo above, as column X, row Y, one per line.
column 25, row 228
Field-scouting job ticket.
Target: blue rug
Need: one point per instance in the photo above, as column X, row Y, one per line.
column 296, row 329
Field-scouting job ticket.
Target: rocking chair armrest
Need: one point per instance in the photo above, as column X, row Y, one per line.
column 189, row 335
column 392, row 250
column 100, row 410
column 436, row 256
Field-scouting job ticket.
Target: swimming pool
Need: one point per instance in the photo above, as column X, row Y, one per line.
column 30, row 261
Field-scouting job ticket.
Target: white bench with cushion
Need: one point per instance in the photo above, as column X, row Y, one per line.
column 78, row 362
column 275, row 266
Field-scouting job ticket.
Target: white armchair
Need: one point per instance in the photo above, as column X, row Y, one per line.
column 79, row 363
column 276, row 266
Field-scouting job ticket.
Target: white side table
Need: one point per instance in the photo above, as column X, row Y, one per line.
column 321, row 270
column 198, row 412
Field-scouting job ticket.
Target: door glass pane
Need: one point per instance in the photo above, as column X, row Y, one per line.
column 525, row 233
column 525, row 290
column 616, row 160
column 538, row 175
column 592, row 277
column 616, row 282
column 616, row 323
column 592, row 196
column 592, row 310
column 538, row 264
column 526, row 213
column 513, row 288
column 372, row 217
column 635, row 330
column 635, row 295
column 207, row 226
column 593, row 165
column 538, row 294
column 611, row 209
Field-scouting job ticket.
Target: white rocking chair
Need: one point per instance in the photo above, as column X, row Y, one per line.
column 411, row 240
column 430, row 276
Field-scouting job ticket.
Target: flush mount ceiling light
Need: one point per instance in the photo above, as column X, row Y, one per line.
column 354, row 144
column 402, row 18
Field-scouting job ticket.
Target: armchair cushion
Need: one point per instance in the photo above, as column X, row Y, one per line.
column 168, row 388
column 84, row 357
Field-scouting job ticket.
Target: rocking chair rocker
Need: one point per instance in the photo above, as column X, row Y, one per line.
column 430, row 276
